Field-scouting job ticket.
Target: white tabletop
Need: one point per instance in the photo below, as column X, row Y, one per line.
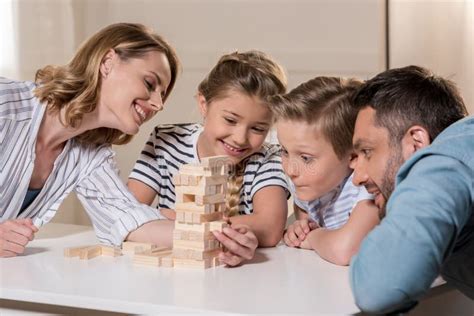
column 278, row 280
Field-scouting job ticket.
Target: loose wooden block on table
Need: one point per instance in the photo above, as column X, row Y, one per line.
column 89, row 252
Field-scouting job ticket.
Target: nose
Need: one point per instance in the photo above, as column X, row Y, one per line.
column 360, row 172
column 156, row 101
column 240, row 137
column 291, row 167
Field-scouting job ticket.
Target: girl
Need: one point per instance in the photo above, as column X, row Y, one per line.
column 56, row 136
column 237, row 118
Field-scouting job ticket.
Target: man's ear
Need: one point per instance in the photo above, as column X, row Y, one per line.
column 202, row 103
column 416, row 138
column 107, row 63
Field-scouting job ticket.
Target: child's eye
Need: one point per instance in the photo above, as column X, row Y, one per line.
column 230, row 120
column 306, row 159
column 259, row 130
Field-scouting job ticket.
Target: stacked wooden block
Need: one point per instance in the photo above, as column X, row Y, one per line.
column 200, row 204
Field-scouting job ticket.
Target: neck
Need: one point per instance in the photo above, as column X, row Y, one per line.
column 53, row 134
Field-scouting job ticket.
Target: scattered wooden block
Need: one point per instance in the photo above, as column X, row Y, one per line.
column 74, row 252
column 110, row 251
column 152, row 257
column 90, row 252
column 131, row 247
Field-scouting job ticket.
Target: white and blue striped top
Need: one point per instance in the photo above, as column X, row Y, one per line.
column 332, row 210
column 171, row 146
column 88, row 170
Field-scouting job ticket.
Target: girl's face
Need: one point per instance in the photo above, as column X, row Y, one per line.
column 309, row 160
column 235, row 126
column 132, row 91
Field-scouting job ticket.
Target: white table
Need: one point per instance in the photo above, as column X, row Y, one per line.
column 279, row 280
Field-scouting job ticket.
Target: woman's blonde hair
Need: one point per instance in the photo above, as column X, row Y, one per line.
column 252, row 73
column 326, row 102
column 76, row 85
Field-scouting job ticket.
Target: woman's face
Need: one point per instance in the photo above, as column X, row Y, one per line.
column 132, row 90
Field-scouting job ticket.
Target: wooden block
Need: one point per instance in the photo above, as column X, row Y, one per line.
column 167, row 261
column 90, row 252
column 196, row 190
column 184, row 253
column 110, row 251
column 179, row 217
column 215, row 161
column 189, row 263
column 213, row 180
column 202, row 218
column 202, row 228
column 196, row 245
column 216, row 262
column 135, row 247
column 210, row 199
column 195, row 170
column 188, row 217
column 192, row 207
column 74, row 251
column 152, row 256
column 177, row 180
column 192, row 235
column 217, row 225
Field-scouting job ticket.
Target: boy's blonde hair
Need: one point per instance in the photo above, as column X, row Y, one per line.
column 252, row 73
column 325, row 102
column 76, row 85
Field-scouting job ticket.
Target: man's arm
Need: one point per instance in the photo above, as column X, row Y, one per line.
column 400, row 258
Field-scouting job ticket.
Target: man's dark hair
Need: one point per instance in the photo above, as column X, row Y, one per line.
column 408, row 96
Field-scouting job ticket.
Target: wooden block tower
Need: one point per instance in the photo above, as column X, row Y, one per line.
column 200, row 204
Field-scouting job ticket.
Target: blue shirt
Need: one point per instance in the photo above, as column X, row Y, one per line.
column 432, row 203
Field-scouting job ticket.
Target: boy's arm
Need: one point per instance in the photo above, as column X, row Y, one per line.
column 268, row 219
column 339, row 245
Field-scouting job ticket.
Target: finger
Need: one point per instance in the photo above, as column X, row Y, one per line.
column 313, row 225
column 16, row 238
column 7, row 254
column 28, row 222
column 243, row 236
column 13, row 247
column 305, row 226
column 230, row 259
column 21, row 229
column 287, row 241
column 233, row 246
column 300, row 234
column 294, row 239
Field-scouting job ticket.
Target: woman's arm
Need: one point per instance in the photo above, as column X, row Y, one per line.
column 339, row 245
column 268, row 219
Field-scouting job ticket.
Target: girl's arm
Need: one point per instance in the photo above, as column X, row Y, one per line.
column 339, row 245
column 268, row 219
column 142, row 192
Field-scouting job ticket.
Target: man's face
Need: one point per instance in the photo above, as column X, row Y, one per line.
column 377, row 161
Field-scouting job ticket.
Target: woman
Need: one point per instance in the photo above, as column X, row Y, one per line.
column 56, row 136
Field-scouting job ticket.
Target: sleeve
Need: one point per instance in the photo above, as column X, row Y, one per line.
column 398, row 261
column 112, row 208
column 147, row 168
column 269, row 173
column 363, row 195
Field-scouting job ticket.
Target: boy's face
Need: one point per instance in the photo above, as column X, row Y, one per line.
column 309, row 160
column 377, row 161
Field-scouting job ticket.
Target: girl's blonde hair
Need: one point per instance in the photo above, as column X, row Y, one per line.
column 252, row 73
column 326, row 102
column 76, row 85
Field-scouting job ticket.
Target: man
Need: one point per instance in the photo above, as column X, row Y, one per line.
column 402, row 138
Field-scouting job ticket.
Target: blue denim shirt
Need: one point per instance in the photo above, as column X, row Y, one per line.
column 432, row 202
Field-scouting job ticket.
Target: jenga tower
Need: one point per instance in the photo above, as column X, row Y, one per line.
column 200, row 204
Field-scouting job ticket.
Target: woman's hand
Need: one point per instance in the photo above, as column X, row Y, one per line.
column 15, row 235
column 240, row 243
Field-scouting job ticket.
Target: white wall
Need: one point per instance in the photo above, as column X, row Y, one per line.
column 309, row 38
column 438, row 35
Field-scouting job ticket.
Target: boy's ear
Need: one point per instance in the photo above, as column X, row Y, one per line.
column 415, row 138
column 107, row 63
column 202, row 103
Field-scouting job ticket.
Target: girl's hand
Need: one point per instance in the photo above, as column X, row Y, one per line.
column 296, row 233
column 14, row 235
column 240, row 243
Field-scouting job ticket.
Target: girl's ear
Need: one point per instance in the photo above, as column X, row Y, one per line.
column 202, row 103
column 107, row 63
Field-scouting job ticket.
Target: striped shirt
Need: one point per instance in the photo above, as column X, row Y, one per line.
column 88, row 170
column 171, row 146
column 332, row 210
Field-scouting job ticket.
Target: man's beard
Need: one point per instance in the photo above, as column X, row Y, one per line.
column 388, row 182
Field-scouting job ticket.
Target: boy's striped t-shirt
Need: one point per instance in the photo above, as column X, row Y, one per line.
column 170, row 146
column 332, row 210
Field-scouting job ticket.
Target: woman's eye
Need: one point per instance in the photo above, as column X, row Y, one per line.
column 229, row 120
column 149, row 85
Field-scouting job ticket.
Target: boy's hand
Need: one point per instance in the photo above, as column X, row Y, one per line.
column 240, row 243
column 14, row 235
column 296, row 233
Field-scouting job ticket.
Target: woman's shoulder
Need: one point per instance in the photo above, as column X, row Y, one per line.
column 17, row 99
